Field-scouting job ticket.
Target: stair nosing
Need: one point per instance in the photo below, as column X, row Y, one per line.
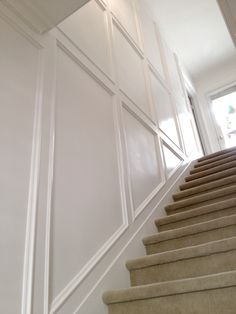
column 208, row 172
column 198, row 199
column 168, row 288
column 211, row 225
column 197, row 211
column 189, row 194
column 215, row 159
column 213, row 165
column 196, row 251
column 204, row 180
column 216, row 154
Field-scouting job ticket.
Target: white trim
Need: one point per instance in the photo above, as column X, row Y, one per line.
column 127, row 36
column 28, row 268
column 80, row 57
column 77, row 59
column 172, row 145
column 50, row 177
column 168, row 176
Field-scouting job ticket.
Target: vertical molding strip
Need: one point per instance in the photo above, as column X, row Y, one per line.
column 28, row 268
column 50, row 179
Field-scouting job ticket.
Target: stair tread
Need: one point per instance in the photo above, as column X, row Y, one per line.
column 190, row 230
column 209, row 178
column 180, row 286
column 201, row 198
column 209, row 248
column 212, row 160
column 216, row 154
column 204, row 187
column 210, row 171
column 214, row 164
column 197, row 211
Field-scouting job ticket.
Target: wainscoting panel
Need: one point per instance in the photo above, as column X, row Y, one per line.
column 124, row 11
column 87, row 205
column 130, row 70
column 92, row 20
column 144, row 168
column 164, row 110
column 150, row 38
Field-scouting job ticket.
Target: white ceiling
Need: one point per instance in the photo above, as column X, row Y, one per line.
column 197, row 32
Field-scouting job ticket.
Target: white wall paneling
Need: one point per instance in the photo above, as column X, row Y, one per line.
column 173, row 73
column 144, row 163
column 90, row 140
column 130, row 69
column 164, row 111
column 92, row 19
column 78, row 151
column 151, row 40
column 125, row 13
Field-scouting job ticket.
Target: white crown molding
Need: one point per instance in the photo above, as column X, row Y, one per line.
column 43, row 15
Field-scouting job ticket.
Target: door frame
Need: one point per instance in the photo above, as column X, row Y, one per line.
column 214, row 94
column 199, row 126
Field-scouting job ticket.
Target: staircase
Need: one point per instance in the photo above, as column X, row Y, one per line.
column 190, row 267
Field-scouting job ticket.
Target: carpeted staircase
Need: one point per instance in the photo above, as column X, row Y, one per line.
column 190, row 267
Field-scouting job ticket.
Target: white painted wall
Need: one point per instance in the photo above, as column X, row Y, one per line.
column 92, row 137
column 213, row 80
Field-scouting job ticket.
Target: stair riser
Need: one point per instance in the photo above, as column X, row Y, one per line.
column 205, row 302
column 187, row 268
column 207, row 179
column 198, row 219
column 191, row 240
column 200, row 192
column 194, row 206
column 214, row 164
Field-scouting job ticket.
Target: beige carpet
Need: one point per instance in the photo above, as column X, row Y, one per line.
column 190, row 266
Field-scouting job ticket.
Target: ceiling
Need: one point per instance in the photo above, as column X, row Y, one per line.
column 196, row 30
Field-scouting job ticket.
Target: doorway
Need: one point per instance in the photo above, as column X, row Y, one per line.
column 223, row 108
